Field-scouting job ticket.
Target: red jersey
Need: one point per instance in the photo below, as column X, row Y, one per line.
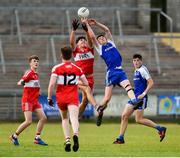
column 84, row 59
column 67, row 75
column 31, row 88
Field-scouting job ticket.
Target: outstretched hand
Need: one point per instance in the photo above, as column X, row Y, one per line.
column 92, row 21
column 84, row 20
column 75, row 24
column 84, row 26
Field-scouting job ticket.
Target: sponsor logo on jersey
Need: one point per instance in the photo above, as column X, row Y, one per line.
column 136, row 79
column 118, row 67
column 84, row 56
column 107, row 49
column 32, row 83
column 36, row 84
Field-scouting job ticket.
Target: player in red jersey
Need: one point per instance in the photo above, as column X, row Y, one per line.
column 66, row 76
column 83, row 54
column 30, row 103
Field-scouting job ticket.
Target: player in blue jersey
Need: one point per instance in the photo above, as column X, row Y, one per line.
column 115, row 75
column 142, row 84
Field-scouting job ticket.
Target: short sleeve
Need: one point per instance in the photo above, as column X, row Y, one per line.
column 26, row 76
column 112, row 42
column 98, row 49
column 92, row 50
column 145, row 73
column 80, row 72
column 74, row 51
column 54, row 71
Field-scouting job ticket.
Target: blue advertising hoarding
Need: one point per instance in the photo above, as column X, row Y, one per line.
column 48, row 110
column 169, row 105
column 54, row 111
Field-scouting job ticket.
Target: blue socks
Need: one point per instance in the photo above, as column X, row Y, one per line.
column 121, row 137
column 159, row 128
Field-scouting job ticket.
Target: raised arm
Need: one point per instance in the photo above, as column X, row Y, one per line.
column 103, row 27
column 88, row 37
column 75, row 24
column 90, row 32
column 72, row 39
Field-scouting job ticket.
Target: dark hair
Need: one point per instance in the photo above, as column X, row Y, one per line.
column 33, row 57
column 66, row 52
column 99, row 36
column 79, row 38
column 137, row 56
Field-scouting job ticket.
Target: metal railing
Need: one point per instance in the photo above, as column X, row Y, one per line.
column 68, row 21
column 53, row 50
column 50, row 55
column 153, row 48
column 170, row 25
column 156, row 55
column 120, row 26
column 157, row 10
column 71, row 12
column 18, row 26
column 10, row 105
column 2, row 58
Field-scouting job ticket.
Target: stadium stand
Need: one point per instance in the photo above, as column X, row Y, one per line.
column 169, row 63
column 16, row 58
column 174, row 43
column 39, row 21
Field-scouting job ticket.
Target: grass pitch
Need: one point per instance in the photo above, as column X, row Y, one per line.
column 94, row 141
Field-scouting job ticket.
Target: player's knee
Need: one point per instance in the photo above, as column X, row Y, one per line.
column 128, row 88
column 28, row 122
column 124, row 117
column 138, row 120
column 43, row 119
column 87, row 89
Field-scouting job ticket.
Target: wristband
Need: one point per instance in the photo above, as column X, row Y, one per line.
column 22, row 82
column 144, row 93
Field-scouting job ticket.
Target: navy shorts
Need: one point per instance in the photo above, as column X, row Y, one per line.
column 144, row 103
column 115, row 77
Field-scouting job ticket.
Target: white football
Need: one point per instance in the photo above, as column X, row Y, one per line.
column 83, row 12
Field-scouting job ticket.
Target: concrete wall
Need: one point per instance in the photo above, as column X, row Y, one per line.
column 53, row 16
column 68, row 3
column 173, row 11
column 144, row 17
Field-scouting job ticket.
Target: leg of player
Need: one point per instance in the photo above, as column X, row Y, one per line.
column 106, row 99
column 89, row 95
column 127, row 112
column 42, row 119
column 147, row 122
column 83, row 104
column 133, row 100
column 66, row 129
column 22, row 126
column 74, row 112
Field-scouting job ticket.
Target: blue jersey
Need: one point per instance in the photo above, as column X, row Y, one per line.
column 141, row 75
column 110, row 54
